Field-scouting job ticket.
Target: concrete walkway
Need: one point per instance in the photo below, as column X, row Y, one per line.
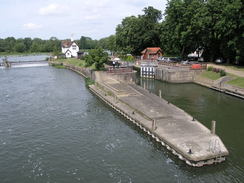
column 176, row 128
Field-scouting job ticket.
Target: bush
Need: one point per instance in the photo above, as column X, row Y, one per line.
column 222, row 73
column 89, row 81
column 210, row 68
column 96, row 57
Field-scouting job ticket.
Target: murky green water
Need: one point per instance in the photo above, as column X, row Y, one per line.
column 52, row 129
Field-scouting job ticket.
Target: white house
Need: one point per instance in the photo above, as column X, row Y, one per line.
column 70, row 48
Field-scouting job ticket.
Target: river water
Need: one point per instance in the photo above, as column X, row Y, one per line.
column 52, row 129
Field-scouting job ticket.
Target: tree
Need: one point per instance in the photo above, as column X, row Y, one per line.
column 214, row 25
column 87, row 43
column 136, row 33
column 20, row 47
column 108, row 43
column 28, row 42
column 96, row 57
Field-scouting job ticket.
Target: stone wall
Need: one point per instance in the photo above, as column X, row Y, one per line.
column 100, row 76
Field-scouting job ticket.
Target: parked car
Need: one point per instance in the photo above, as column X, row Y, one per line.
column 184, row 62
column 219, row 61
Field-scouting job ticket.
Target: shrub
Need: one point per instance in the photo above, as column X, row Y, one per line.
column 222, row 73
column 89, row 81
column 210, row 68
column 96, row 57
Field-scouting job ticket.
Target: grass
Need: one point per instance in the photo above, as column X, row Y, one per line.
column 59, row 66
column 72, row 61
column 75, row 62
column 234, row 67
column 237, row 68
column 238, row 81
column 210, row 75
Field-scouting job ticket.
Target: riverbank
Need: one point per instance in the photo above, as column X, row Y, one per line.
column 229, row 84
column 75, row 65
column 158, row 118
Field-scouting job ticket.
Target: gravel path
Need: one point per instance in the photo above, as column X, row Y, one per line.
column 228, row 69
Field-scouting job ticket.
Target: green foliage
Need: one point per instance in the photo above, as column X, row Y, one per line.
column 214, row 25
column 238, row 81
column 89, row 81
column 136, row 33
column 27, row 45
column 222, row 73
column 128, row 58
column 87, row 43
column 20, row 47
column 96, row 57
column 72, row 61
column 210, row 68
column 210, row 75
column 59, row 66
column 108, row 43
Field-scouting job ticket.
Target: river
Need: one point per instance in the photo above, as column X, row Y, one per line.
column 53, row 129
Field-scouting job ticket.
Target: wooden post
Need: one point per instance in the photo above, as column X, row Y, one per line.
column 160, row 93
column 213, row 127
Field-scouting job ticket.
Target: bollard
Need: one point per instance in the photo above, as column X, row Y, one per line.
column 154, row 125
column 160, row 93
column 213, row 127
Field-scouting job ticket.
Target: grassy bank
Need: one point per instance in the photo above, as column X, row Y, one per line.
column 238, row 81
column 210, row 75
column 72, row 61
column 75, row 62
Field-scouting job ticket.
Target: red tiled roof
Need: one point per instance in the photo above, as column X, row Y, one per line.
column 152, row 50
column 67, row 43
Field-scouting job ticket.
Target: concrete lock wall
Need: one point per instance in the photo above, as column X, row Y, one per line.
column 100, row 76
column 176, row 76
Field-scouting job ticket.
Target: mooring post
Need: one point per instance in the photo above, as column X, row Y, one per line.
column 154, row 124
column 160, row 93
column 213, row 127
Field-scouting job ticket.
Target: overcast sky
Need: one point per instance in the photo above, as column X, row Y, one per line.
column 62, row 18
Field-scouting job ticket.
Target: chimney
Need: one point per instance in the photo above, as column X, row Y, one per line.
column 72, row 37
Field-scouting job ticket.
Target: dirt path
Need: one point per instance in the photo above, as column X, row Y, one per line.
column 228, row 69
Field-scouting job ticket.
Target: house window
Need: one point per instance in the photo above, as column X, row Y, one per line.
column 74, row 47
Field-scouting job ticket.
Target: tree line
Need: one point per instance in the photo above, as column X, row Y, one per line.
column 215, row 26
column 23, row 45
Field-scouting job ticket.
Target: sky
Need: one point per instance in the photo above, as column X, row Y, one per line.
column 66, row 18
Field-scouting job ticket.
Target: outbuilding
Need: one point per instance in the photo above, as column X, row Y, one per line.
column 151, row 53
